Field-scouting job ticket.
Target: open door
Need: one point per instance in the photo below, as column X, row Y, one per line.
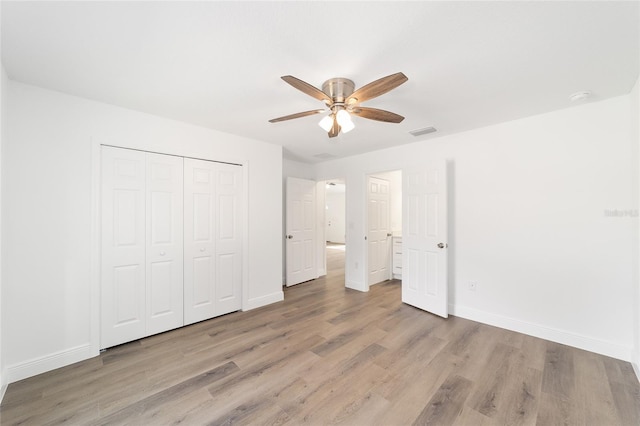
column 379, row 231
column 424, row 258
column 301, row 231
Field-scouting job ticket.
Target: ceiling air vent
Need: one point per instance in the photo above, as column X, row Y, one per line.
column 424, row 131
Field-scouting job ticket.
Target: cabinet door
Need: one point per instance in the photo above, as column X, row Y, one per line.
column 164, row 242
column 123, row 246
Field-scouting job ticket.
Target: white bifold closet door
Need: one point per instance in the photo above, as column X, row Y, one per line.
column 142, row 244
column 212, row 240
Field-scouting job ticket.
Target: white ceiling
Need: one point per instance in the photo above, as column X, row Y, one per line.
column 217, row 64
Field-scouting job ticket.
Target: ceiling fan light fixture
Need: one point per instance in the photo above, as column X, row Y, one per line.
column 344, row 120
column 326, row 123
column 342, row 100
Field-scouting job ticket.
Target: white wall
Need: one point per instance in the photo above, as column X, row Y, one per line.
column 635, row 135
column 527, row 222
column 50, row 157
column 297, row 169
column 3, row 322
column 3, row 84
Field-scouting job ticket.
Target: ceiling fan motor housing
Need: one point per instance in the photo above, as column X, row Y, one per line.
column 338, row 89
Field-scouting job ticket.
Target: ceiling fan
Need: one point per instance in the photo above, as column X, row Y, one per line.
column 340, row 96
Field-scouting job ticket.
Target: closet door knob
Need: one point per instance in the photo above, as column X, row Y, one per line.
column 202, row 249
column 162, row 253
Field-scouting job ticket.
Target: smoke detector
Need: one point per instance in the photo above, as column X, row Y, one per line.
column 580, row 96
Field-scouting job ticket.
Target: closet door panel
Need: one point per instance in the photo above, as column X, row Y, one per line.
column 123, row 246
column 228, row 238
column 164, row 242
column 199, row 240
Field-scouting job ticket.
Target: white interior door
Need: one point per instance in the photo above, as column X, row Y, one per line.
column 199, row 240
column 379, row 233
column 301, row 231
column 228, row 280
column 164, row 245
column 123, row 300
column 424, row 239
column 213, row 244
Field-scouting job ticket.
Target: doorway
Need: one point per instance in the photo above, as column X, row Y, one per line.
column 384, row 226
column 335, row 222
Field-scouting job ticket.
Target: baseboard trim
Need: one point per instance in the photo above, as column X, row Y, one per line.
column 3, row 390
column 49, row 362
column 258, row 302
column 636, row 369
column 602, row 347
column 354, row 285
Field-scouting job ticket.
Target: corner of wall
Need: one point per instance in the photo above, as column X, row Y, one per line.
column 3, row 85
column 635, row 135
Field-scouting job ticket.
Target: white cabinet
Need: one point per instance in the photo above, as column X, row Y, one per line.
column 171, row 249
column 396, row 257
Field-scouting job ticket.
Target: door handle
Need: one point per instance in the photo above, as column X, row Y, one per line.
column 389, row 234
column 442, row 245
column 290, row 237
column 162, row 253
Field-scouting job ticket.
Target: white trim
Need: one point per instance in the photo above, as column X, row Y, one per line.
column 245, row 236
column 3, row 390
column 50, row 362
column 268, row 299
column 599, row 346
column 355, row 285
column 636, row 369
column 96, row 254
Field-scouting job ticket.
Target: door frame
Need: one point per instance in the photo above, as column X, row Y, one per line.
column 96, row 219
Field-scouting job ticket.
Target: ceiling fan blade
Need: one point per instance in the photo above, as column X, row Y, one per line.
column 296, row 115
column 377, row 114
column 377, row 88
column 306, row 88
column 335, row 129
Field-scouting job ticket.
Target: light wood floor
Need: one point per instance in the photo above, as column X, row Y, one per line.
column 332, row 355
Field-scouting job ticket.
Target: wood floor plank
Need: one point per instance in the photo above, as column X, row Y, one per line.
column 491, row 389
column 447, row 404
column 521, row 401
column 332, row 355
column 190, row 385
column 557, row 410
column 558, row 375
column 627, row 401
column 593, row 390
